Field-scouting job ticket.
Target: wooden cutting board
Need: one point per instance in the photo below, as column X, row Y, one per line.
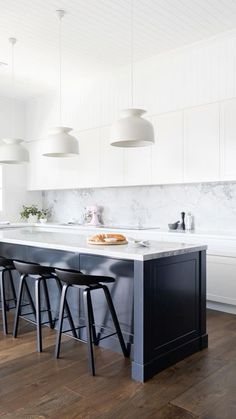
column 107, row 243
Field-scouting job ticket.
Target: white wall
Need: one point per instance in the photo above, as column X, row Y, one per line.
column 14, row 177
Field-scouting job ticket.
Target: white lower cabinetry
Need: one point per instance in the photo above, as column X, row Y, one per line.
column 221, row 268
column 221, row 279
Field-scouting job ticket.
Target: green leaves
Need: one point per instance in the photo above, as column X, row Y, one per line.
column 34, row 210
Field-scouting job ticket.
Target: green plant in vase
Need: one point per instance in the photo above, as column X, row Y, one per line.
column 44, row 214
column 30, row 213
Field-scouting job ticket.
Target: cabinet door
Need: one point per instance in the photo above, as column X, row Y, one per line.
column 112, row 161
column 228, row 139
column 137, row 166
column 201, row 144
column 49, row 172
column 167, row 152
column 66, row 173
column 89, row 158
column 221, row 279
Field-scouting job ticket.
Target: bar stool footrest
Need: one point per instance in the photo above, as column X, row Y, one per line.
column 107, row 336
column 70, row 330
column 29, row 320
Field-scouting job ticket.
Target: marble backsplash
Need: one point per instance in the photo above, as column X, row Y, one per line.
column 212, row 204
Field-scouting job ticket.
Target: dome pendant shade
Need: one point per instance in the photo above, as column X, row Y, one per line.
column 13, row 152
column 132, row 130
column 60, row 143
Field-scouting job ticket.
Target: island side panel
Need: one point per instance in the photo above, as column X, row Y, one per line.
column 202, row 301
column 169, row 312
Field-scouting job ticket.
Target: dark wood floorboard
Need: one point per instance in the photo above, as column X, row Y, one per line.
column 36, row 385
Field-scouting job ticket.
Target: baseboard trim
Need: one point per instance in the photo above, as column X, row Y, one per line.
column 225, row 308
column 146, row 371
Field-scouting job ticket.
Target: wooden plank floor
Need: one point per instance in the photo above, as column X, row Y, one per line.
column 35, row 385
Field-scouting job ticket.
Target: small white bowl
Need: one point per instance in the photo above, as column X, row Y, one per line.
column 138, row 243
column 43, row 220
column 134, row 242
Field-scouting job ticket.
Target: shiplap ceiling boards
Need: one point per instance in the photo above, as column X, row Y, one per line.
column 96, row 34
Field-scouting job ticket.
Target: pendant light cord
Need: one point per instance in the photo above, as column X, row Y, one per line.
column 13, row 102
column 132, row 51
column 60, row 69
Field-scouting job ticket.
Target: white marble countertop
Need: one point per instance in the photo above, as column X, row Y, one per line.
column 222, row 234
column 64, row 240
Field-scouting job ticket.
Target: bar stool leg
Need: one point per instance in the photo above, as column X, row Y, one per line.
column 12, row 286
column 115, row 320
column 30, row 299
column 86, row 294
column 48, row 305
column 68, row 313
column 3, row 300
column 38, row 314
column 60, row 321
column 92, row 322
column 18, row 305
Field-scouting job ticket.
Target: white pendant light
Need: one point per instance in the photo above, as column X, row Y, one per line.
column 11, row 149
column 132, row 130
column 59, row 142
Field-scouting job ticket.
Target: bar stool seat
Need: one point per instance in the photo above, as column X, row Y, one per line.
column 39, row 274
column 6, row 266
column 29, row 268
column 89, row 283
column 6, row 263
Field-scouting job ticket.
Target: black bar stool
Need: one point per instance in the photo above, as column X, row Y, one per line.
column 89, row 283
column 6, row 267
column 39, row 274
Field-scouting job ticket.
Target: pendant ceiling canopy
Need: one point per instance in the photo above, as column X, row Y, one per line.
column 60, row 143
column 12, row 150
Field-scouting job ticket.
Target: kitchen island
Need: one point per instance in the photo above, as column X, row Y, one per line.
column 159, row 293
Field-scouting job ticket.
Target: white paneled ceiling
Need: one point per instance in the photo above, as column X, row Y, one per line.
column 96, row 34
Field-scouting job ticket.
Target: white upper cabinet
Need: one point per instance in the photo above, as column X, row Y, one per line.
column 66, row 173
column 137, row 165
column 201, row 144
column 194, row 145
column 50, row 172
column 137, row 169
column 167, row 153
column 112, row 161
column 228, row 139
column 89, row 158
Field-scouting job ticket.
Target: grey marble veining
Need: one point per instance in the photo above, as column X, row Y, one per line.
column 212, row 204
